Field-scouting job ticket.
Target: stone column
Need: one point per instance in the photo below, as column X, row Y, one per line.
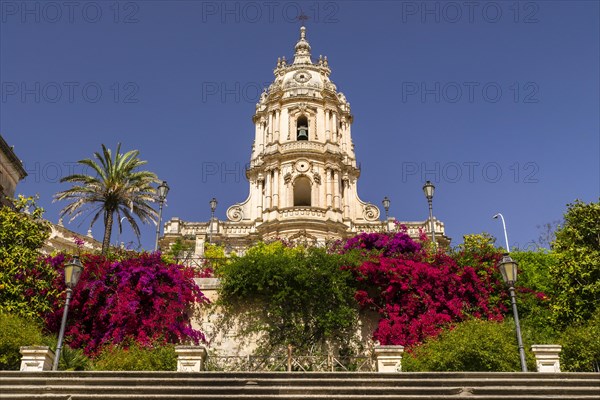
column 277, row 125
column 547, row 357
column 268, row 189
column 389, row 358
column 328, row 125
column 199, row 245
column 345, row 199
column 334, row 128
column 336, row 189
column 328, row 188
column 36, row 358
column 190, row 358
column 270, row 126
column 322, row 189
column 276, row 188
column 260, row 184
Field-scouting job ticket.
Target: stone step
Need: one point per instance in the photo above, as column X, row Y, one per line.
column 293, row 397
column 260, row 389
column 283, row 385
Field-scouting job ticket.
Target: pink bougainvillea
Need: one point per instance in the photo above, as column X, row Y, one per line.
column 416, row 294
column 139, row 299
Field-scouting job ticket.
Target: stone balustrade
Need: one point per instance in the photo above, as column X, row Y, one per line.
column 293, row 212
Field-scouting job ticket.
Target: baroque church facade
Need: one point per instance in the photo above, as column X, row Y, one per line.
column 303, row 171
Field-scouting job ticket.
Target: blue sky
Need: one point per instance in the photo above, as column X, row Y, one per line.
column 496, row 102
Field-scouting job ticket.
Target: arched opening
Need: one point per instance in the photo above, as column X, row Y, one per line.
column 302, row 128
column 302, row 192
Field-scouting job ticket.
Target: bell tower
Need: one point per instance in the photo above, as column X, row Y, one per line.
column 303, row 172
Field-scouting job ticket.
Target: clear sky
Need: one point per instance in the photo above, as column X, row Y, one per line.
column 496, row 102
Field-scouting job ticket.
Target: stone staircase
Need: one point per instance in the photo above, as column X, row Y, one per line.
column 296, row 385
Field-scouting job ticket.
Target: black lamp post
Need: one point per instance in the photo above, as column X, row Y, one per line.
column 386, row 206
column 429, row 189
column 73, row 271
column 508, row 269
column 163, row 190
column 213, row 207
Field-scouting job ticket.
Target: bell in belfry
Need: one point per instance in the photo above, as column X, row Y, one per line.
column 302, row 133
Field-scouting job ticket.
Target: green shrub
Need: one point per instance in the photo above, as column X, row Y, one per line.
column 581, row 346
column 137, row 358
column 298, row 296
column 473, row 345
column 15, row 332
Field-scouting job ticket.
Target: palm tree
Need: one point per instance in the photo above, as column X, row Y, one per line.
column 117, row 187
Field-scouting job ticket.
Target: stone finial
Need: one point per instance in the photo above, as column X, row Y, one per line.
column 302, row 55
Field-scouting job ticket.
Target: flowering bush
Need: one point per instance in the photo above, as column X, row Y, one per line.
column 417, row 294
column 388, row 245
column 139, row 298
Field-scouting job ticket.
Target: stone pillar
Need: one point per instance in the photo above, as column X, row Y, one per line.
column 36, row 358
column 328, row 188
column 345, row 198
column 260, row 187
column 326, row 125
column 268, row 189
column 190, row 358
column 389, row 358
column 334, row 128
column 199, row 245
column 270, row 126
column 336, row 190
column 275, row 184
column 322, row 189
column 547, row 357
column 277, row 125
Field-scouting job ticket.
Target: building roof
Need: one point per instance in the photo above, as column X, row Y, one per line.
column 12, row 157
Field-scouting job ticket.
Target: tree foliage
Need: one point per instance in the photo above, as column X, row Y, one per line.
column 138, row 299
column 25, row 281
column 534, row 294
column 17, row 331
column 116, row 187
column 581, row 346
column 294, row 296
column 576, row 274
column 473, row 345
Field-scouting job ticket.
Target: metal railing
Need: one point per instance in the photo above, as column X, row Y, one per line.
column 201, row 263
column 322, row 363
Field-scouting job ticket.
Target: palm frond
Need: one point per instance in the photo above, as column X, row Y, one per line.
column 116, row 186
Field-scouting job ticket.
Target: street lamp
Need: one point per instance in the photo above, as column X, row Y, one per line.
column 163, row 190
column 213, row 207
column 508, row 269
column 504, row 227
column 73, row 271
column 386, row 206
column 119, row 231
column 428, row 189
